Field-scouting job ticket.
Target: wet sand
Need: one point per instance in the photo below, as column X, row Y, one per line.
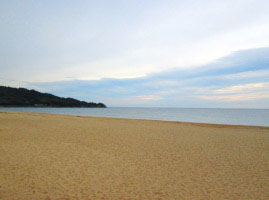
column 48, row 156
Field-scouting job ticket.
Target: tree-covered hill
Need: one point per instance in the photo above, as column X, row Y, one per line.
column 23, row 97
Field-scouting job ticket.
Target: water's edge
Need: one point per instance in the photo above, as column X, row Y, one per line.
column 246, row 117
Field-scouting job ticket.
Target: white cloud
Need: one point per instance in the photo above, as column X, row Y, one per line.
column 134, row 100
column 238, row 93
column 237, row 97
column 245, row 88
column 125, row 41
column 150, row 97
column 249, row 74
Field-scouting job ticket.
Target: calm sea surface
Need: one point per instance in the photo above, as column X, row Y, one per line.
column 258, row 117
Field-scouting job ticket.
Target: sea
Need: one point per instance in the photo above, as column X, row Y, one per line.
column 253, row 117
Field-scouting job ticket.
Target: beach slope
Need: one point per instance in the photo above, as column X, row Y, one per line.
column 48, row 156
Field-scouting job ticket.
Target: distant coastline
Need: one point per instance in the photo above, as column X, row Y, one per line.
column 22, row 97
column 99, row 105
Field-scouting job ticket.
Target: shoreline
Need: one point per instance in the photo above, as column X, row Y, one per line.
column 183, row 122
column 53, row 156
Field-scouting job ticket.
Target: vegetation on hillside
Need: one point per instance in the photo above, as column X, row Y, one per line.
column 23, row 97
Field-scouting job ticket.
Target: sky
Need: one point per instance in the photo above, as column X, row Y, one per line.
column 152, row 53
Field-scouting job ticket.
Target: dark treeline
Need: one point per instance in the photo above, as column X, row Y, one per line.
column 23, row 97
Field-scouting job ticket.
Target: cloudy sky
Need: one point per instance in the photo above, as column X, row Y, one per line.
column 168, row 53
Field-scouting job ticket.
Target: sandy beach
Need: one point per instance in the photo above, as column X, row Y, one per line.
column 49, row 156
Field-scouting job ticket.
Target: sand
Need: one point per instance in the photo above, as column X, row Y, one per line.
column 48, row 156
